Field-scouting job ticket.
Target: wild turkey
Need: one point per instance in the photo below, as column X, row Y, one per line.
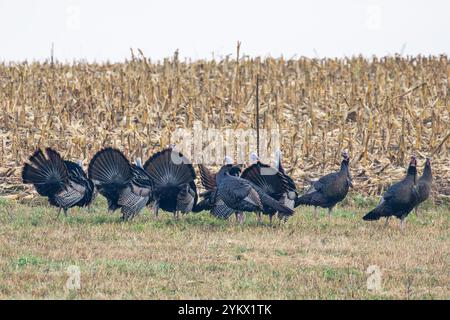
column 424, row 184
column 238, row 194
column 270, row 181
column 329, row 189
column 173, row 176
column 290, row 196
column 210, row 200
column 63, row 182
column 77, row 174
column 399, row 199
column 124, row 185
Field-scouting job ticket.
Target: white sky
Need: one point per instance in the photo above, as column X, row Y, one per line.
column 106, row 29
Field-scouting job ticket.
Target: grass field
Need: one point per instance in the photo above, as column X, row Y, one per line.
column 201, row 257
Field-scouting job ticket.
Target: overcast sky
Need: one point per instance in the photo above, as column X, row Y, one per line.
column 106, row 29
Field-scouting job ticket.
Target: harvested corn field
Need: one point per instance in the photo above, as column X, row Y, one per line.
column 380, row 109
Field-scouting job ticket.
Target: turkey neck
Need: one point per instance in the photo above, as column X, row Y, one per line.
column 427, row 173
column 412, row 174
column 344, row 167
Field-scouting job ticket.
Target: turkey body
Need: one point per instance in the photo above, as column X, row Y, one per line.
column 124, row 185
column 329, row 189
column 64, row 183
column 173, row 177
column 78, row 176
column 211, row 200
column 399, row 199
column 272, row 183
column 242, row 195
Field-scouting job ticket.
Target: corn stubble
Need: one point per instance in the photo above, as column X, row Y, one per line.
column 380, row 109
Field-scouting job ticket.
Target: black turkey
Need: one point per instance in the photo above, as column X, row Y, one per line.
column 124, row 185
column 64, row 183
column 424, row 184
column 210, row 200
column 329, row 189
column 271, row 182
column 173, row 176
column 242, row 195
column 399, row 199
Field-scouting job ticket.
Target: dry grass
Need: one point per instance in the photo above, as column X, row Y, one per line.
column 200, row 257
column 381, row 109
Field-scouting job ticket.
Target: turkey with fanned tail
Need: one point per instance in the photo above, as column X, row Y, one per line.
column 329, row 189
column 126, row 186
column 211, row 201
column 64, row 183
column 173, row 176
column 399, row 199
column 243, row 195
column 272, row 182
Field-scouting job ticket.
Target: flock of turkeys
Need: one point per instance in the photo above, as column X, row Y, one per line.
column 167, row 181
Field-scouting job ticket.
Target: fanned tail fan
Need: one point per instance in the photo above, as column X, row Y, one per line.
column 207, row 177
column 169, row 168
column 267, row 178
column 48, row 174
column 110, row 170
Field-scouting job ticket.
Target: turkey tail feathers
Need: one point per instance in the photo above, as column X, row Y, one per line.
column 48, row 174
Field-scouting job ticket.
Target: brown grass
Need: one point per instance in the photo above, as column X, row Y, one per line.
column 201, row 257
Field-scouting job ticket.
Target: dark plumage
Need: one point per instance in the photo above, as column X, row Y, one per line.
column 424, row 184
column 111, row 172
column 207, row 177
column 137, row 194
column 399, row 199
column 242, row 195
column 124, row 185
column 271, row 182
column 289, row 197
column 63, row 182
column 206, row 203
column 77, row 175
column 329, row 189
column 173, row 176
column 211, row 201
